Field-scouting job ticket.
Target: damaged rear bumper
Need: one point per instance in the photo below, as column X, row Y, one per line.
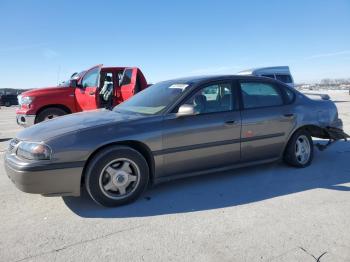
column 334, row 134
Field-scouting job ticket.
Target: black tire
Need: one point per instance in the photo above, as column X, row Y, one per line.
column 7, row 104
column 95, row 174
column 291, row 156
column 49, row 113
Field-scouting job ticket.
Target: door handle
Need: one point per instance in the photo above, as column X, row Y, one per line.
column 91, row 93
column 230, row 122
column 288, row 115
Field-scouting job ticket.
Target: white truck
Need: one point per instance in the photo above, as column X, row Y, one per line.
column 281, row 73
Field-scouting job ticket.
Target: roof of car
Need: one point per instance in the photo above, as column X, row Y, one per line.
column 199, row 79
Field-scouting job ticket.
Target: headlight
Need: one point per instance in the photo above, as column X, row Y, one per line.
column 13, row 143
column 34, row 151
column 25, row 100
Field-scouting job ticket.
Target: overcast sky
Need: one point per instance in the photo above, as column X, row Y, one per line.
column 42, row 42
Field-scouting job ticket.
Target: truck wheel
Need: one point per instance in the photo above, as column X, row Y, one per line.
column 300, row 150
column 49, row 113
column 116, row 176
column 7, row 104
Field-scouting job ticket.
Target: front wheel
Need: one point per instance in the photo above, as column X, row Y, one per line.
column 300, row 150
column 49, row 113
column 116, row 176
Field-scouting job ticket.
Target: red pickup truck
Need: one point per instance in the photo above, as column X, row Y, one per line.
column 97, row 87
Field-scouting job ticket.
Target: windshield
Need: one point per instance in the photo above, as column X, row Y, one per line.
column 154, row 99
column 73, row 76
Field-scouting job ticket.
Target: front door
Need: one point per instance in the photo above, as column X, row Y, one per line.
column 86, row 94
column 127, row 84
column 267, row 120
column 208, row 139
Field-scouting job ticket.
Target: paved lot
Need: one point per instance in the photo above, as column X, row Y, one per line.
column 265, row 213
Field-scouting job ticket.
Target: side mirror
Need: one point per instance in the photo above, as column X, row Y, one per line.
column 74, row 83
column 74, row 74
column 186, row 110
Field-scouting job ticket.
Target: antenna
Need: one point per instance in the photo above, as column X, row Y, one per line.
column 58, row 74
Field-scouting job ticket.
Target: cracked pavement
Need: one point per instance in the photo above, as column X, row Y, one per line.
column 264, row 213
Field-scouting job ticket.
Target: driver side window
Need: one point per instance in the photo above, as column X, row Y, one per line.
column 212, row 98
column 90, row 79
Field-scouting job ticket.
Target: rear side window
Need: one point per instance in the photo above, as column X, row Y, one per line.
column 284, row 78
column 255, row 95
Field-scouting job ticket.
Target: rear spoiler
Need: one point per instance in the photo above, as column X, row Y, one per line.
column 323, row 96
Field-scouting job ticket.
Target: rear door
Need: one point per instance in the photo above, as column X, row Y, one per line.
column 86, row 94
column 267, row 120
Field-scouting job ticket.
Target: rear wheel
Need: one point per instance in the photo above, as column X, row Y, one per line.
column 299, row 151
column 49, row 113
column 116, row 176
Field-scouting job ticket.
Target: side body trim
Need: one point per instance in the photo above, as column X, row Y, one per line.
column 212, row 144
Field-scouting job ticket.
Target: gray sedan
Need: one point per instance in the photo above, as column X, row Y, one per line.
column 173, row 129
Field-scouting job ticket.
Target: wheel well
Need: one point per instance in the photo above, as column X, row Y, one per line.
column 68, row 111
column 54, row 106
column 315, row 131
column 136, row 145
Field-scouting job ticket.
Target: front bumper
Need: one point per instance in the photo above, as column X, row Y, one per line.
column 42, row 180
column 25, row 120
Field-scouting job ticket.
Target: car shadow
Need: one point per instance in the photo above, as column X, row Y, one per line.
column 329, row 170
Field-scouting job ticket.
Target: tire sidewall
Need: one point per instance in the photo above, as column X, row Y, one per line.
column 42, row 115
column 94, row 169
column 290, row 156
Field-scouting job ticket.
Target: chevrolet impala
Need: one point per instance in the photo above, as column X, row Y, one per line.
column 173, row 129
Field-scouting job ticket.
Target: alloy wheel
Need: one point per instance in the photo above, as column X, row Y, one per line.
column 302, row 149
column 119, row 178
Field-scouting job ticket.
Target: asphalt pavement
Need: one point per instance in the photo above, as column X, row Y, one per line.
column 264, row 213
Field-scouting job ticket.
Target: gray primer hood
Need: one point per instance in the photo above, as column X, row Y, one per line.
column 71, row 123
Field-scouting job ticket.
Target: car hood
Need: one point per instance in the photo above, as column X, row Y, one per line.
column 44, row 90
column 71, row 123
